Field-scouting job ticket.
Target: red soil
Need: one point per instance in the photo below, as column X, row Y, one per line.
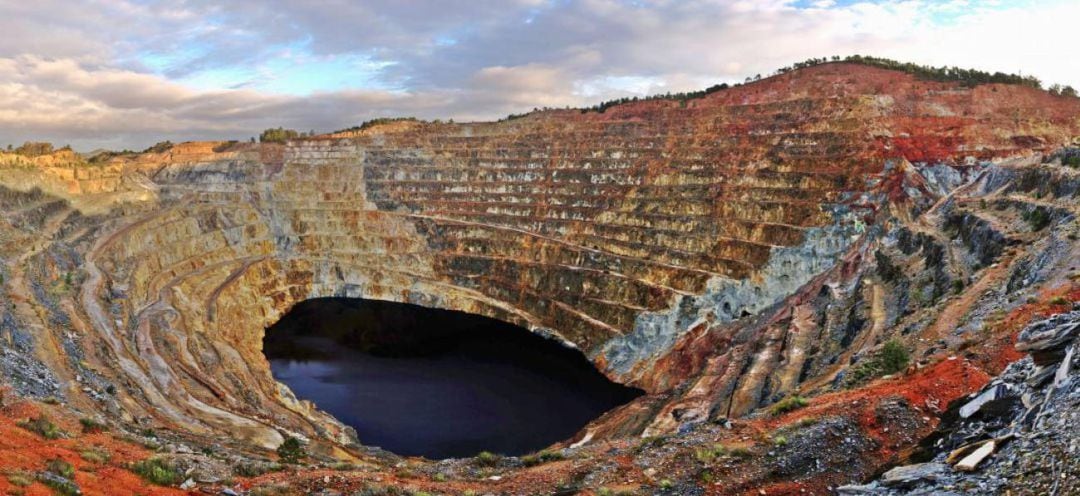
column 25, row 451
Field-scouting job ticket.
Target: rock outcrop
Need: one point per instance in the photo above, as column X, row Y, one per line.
column 1018, row 435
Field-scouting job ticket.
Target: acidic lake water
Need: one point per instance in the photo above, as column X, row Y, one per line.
column 435, row 383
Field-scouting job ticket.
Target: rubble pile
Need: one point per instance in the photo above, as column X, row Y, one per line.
column 1019, row 435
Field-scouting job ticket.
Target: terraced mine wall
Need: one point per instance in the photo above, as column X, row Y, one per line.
column 628, row 234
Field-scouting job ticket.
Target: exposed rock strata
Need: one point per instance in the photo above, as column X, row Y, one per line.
column 716, row 253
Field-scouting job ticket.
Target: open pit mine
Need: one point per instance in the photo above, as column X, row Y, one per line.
column 815, row 283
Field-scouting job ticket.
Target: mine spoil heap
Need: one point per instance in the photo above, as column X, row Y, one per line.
column 781, row 243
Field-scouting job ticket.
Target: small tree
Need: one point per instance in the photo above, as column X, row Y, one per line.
column 278, row 135
column 1038, row 218
column 1069, row 91
column 894, row 357
column 291, row 450
column 159, row 147
column 33, row 149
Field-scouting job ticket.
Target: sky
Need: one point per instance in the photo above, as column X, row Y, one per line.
column 127, row 73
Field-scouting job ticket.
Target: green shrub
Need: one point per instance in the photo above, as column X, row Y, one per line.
column 780, row 441
column 706, row 477
column 654, row 441
column 740, row 452
column 551, row 456
column 95, row 455
column 34, row 149
column 224, row 146
column 43, row 427
column 893, row 357
column 1060, row 300
column 807, row 421
column 861, row 372
column 291, row 450
column 278, row 135
column 60, row 467
column 487, row 459
column 789, row 404
column 716, row 451
column 886, row 269
column 91, row 426
column 707, row 455
column 544, row 456
column 957, row 286
column 376, row 122
column 159, row 147
column 271, row 490
column 373, row 490
column 20, row 479
column 157, row 471
column 105, row 156
column 1037, row 218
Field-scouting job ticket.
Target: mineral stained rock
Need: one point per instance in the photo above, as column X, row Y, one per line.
column 1031, row 452
column 720, row 253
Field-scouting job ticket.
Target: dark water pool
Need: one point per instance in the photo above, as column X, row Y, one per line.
column 418, row 381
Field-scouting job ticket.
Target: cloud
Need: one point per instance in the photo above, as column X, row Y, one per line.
column 125, row 73
column 109, row 106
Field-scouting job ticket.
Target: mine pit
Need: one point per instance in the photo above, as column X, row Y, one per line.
column 418, row 381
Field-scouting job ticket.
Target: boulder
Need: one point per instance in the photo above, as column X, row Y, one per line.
column 970, row 462
column 1063, row 370
column 908, row 475
column 988, row 395
column 1046, row 341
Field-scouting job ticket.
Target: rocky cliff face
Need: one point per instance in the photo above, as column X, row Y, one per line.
column 720, row 253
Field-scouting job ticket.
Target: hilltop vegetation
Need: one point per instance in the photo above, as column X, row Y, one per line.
column 35, row 149
column 967, row 77
column 375, row 122
column 278, row 135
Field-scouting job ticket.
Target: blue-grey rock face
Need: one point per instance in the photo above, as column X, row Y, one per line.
column 725, row 300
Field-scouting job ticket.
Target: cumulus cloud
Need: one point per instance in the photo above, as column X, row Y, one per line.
column 126, row 73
